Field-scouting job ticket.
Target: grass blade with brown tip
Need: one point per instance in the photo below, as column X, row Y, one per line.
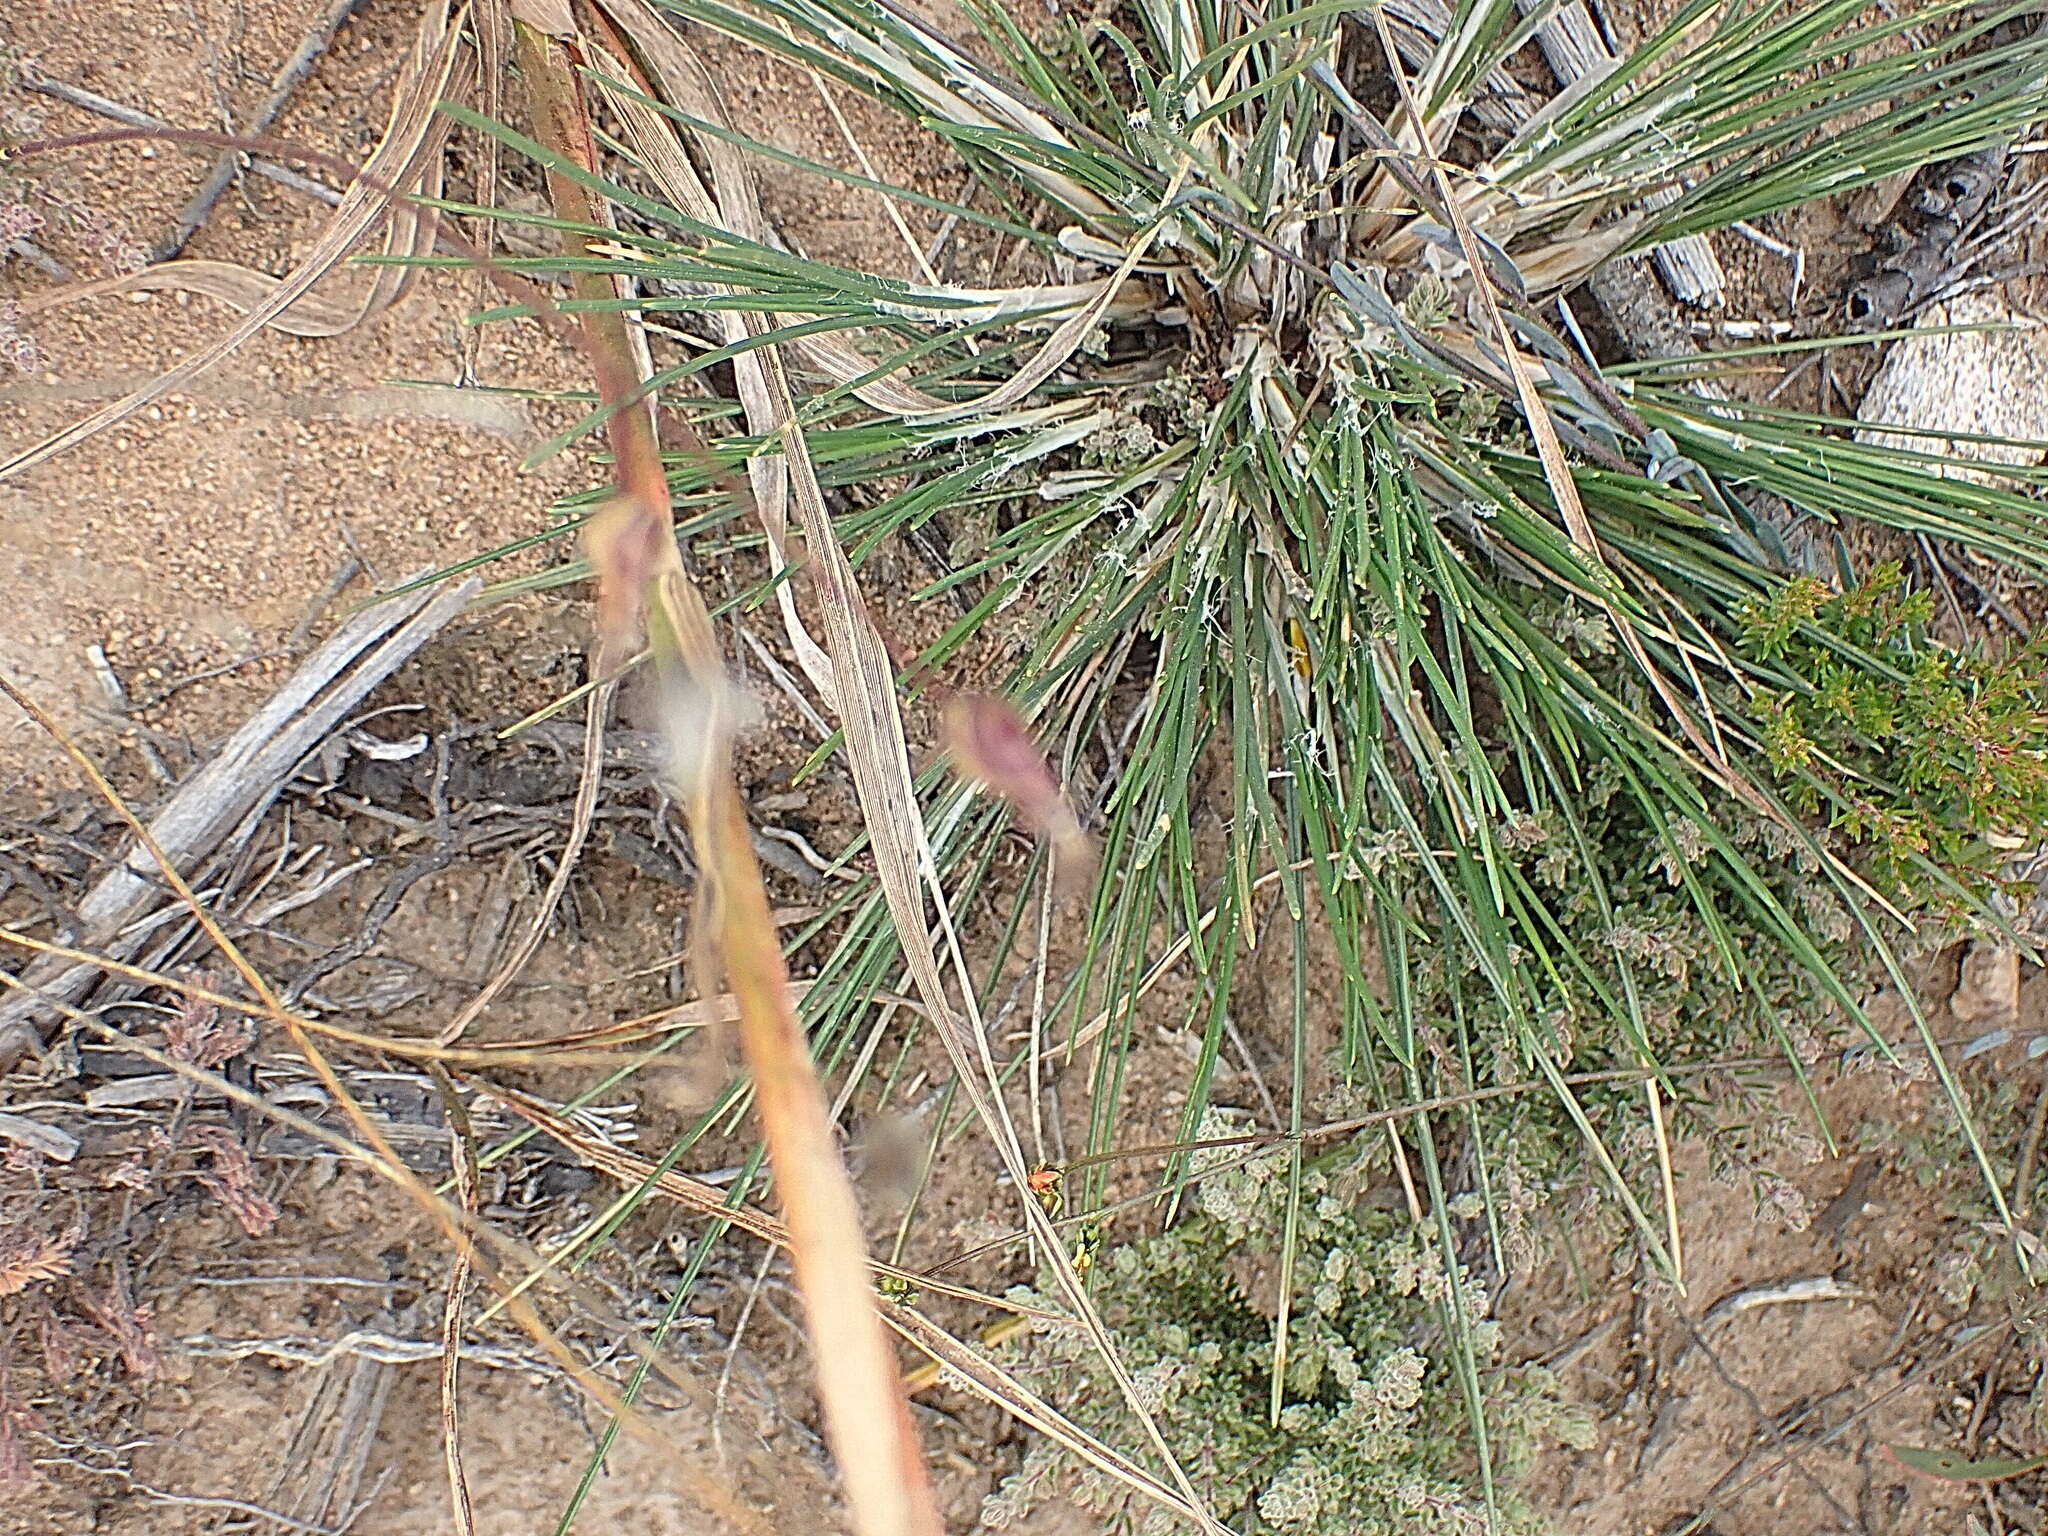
column 867, row 1417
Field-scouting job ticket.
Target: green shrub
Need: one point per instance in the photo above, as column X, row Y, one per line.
column 1370, row 1435
column 1929, row 753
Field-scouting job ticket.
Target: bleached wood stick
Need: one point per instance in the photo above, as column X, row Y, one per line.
column 233, row 789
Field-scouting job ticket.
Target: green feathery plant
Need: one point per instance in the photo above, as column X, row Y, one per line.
column 1368, row 1441
column 1305, row 611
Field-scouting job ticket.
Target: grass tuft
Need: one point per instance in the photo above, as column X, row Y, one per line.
column 1367, row 616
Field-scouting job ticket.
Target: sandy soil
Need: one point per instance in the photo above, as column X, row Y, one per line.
column 201, row 533
column 1817, row 1324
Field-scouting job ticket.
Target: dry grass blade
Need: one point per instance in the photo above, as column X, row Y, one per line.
column 672, row 74
column 597, row 708
column 867, row 1413
column 1065, row 341
column 707, row 1199
column 508, row 1053
column 441, row 65
column 669, row 71
column 462, row 1157
column 309, row 315
column 867, row 1416
column 990, row 1381
column 879, row 756
column 722, row 1009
